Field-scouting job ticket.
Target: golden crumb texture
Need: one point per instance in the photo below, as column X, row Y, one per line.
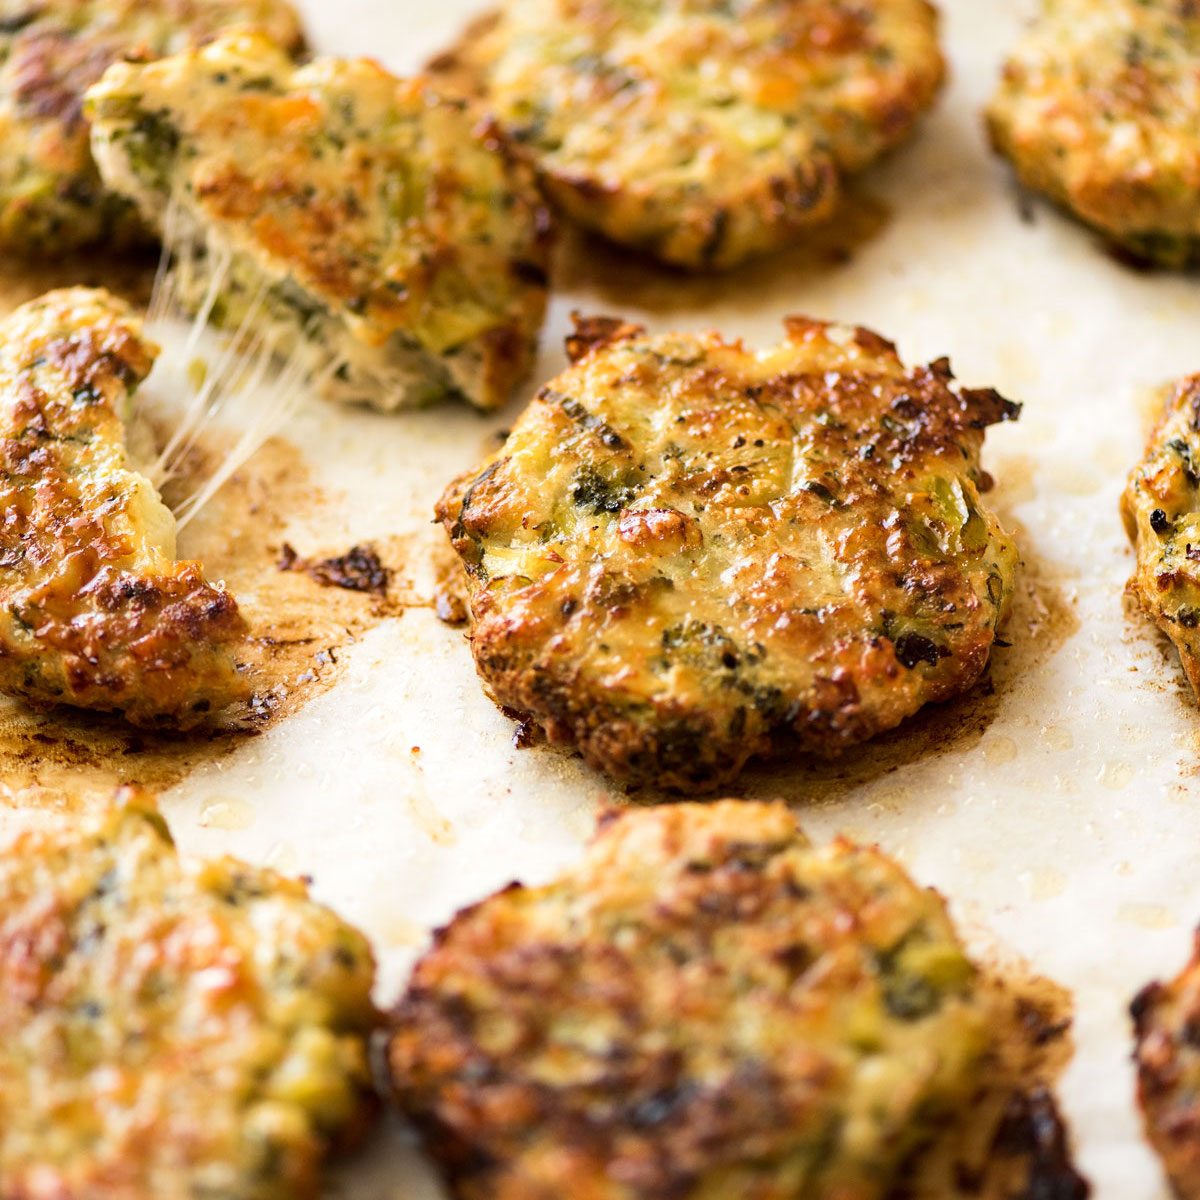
column 1161, row 507
column 702, row 131
column 95, row 611
column 706, row 1006
column 170, row 1028
column 1099, row 108
column 366, row 219
column 688, row 553
column 51, row 198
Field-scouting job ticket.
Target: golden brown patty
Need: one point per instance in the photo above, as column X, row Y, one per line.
column 387, row 232
column 51, row 51
column 170, row 1029
column 1166, row 1023
column 703, row 131
column 1161, row 507
column 94, row 609
column 1099, row 108
column 688, row 553
column 707, row 1007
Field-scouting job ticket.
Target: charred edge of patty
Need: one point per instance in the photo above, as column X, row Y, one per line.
column 1171, row 1118
column 593, row 333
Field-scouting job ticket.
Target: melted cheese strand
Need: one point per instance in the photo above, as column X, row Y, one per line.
column 275, row 403
column 209, row 398
column 252, row 371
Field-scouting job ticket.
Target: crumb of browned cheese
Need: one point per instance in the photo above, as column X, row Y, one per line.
column 1033, row 1130
column 450, row 607
column 358, row 570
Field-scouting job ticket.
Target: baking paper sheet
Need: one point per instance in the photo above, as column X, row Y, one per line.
column 1060, row 814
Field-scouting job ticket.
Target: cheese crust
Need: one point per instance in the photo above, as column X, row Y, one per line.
column 1166, row 1017
column 702, row 131
column 170, row 1028
column 1099, row 108
column 1161, row 508
column 95, row 611
column 688, row 553
column 51, row 51
column 708, row 1006
column 357, row 217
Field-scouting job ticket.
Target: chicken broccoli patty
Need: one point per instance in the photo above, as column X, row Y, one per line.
column 1161, row 507
column 702, row 131
column 170, row 1028
column 359, row 219
column 688, row 553
column 1099, row 108
column 51, row 51
column 708, row 1006
column 94, row 609
column 1166, row 1018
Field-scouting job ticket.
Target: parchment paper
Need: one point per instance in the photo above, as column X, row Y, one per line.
column 1060, row 814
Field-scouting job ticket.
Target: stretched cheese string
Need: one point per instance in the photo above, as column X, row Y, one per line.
column 248, row 373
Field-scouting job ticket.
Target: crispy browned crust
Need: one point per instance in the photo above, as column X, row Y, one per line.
column 91, row 615
column 51, row 52
column 1096, row 110
column 394, row 226
column 686, row 555
column 593, row 333
column 1160, row 506
column 1033, row 1135
column 327, row 242
column 703, row 134
column 1166, row 1020
column 682, row 1015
